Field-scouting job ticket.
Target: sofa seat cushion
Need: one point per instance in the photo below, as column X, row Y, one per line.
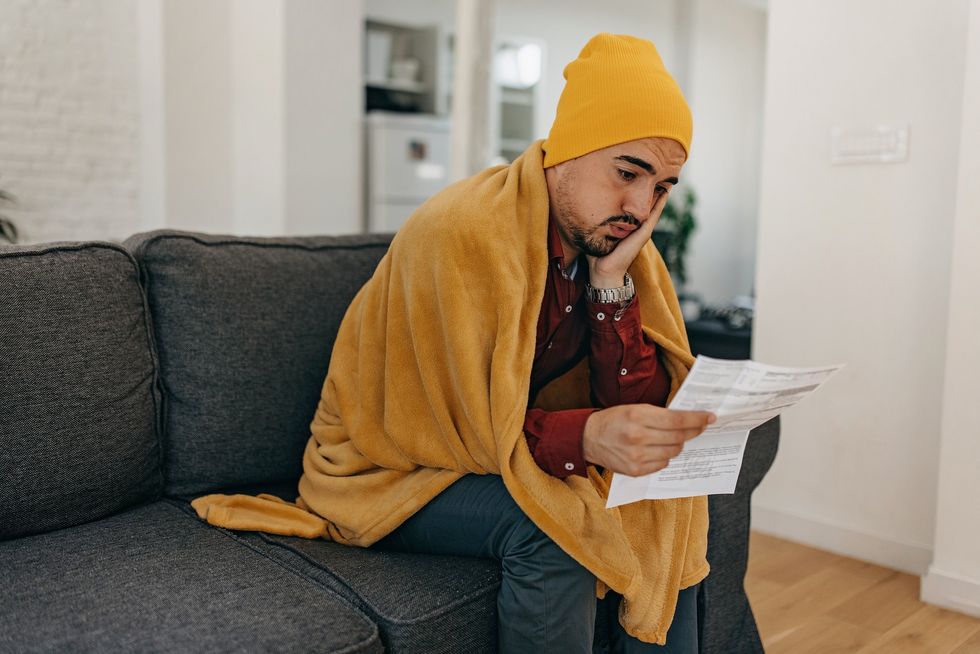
column 420, row 602
column 245, row 328
column 154, row 579
column 80, row 429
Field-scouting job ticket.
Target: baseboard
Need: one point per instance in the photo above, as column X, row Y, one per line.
column 906, row 557
column 951, row 591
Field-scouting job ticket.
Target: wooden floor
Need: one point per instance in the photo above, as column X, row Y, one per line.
column 807, row 600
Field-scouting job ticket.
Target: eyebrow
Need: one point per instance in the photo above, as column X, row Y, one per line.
column 645, row 166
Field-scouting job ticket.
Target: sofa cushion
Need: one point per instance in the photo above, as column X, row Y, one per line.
column 419, row 602
column 79, row 390
column 245, row 328
column 154, row 579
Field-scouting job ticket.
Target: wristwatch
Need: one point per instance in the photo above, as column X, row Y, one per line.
column 620, row 294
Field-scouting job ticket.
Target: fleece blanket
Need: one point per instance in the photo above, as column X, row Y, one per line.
column 429, row 381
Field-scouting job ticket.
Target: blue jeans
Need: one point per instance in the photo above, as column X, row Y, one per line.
column 546, row 602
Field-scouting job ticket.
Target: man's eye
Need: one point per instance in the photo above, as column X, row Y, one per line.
column 627, row 175
column 663, row 189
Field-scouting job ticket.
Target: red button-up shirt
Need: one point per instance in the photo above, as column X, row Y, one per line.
column 623, row 363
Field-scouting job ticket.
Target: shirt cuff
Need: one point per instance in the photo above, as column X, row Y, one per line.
column 559, row 448
column 609, row 317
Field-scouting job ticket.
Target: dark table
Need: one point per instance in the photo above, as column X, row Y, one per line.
column 713, row 338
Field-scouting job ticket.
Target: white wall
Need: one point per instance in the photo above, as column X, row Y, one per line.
column 263, row 116
column 152, row 109
column 726, row 64
column 324, row 114
column 69, row 118
column 258, row 104
column 853, row 266
column 954, row 575
column 198, row 115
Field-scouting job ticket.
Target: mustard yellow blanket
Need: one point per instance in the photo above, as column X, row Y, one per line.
column 429, row 381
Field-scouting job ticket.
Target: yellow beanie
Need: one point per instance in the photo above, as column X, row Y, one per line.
column 617, row 90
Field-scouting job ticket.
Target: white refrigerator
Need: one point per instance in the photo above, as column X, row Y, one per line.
column 407, row 162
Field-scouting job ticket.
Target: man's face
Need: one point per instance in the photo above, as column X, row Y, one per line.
column 599, row 198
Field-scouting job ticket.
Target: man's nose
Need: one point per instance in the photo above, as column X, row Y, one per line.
column 640, row 203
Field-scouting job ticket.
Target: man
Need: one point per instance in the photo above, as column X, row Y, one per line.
column 604, row 204
column 515, row 347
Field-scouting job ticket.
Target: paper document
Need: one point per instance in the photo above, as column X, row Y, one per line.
column 743, row 395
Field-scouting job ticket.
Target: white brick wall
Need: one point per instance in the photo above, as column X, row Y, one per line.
column 69, row 117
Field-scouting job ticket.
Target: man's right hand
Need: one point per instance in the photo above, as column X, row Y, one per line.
column 638, row 439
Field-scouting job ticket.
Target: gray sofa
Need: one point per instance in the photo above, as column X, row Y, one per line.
column 135, row 377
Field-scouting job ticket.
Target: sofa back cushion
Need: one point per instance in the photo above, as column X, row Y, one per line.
column 80, row 432
column 245, row 328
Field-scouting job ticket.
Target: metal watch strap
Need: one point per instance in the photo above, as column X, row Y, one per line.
column 620, row 294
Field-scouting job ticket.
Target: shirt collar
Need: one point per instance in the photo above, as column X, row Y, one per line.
column 556, row 253
column 555, row 250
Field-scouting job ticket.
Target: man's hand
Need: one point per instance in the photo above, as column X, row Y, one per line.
column 609, row 271
column 638, row 439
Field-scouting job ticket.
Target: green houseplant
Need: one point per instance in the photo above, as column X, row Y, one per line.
column 8, row 231
column 673, row 234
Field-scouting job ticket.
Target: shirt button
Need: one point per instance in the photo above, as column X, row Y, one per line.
column 600, row 316
column 617, row 318
column 549, row 345
column 569, row 466
column 623, row 371
column 568, row 309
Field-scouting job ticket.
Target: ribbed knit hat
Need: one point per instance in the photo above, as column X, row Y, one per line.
column 617, row 90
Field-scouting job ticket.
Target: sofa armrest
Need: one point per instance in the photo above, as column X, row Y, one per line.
column 726, row 622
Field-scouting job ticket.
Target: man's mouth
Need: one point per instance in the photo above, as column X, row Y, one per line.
column 622, row 230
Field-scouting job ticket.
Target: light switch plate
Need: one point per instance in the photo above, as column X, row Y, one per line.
column 883, row 143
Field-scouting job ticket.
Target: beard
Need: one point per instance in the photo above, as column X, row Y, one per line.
column 589, row 242
column 586, row 239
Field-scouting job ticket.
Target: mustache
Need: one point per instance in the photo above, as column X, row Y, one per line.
column 625, row 218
